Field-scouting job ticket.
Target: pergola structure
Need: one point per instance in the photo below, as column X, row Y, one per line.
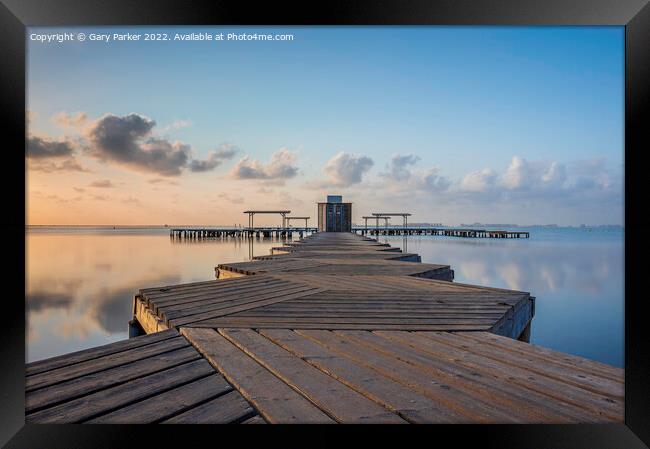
column 251, row 216
column 404, row 215
column 297, row 218
column 376, row 218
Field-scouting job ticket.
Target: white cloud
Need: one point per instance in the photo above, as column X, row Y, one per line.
column 401, row 176
column 176, row 124
column 399, row 167
column 479, row 181
column 280, row 167
column 346, row 169
column 522, row 174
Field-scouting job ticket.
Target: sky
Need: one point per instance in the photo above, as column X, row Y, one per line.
column 454, row 124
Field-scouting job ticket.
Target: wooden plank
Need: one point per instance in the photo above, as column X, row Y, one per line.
column 242, row 306
column 255, row 420
column 186, row 286
column 163, row 293
column 148, row 320
column 261, row 267
column 431, row 282
column 605, row 399
column 217, row 304
column 290, row 321
column 227, row 322
column 335, row 266
column 440, row 388
column 563, row 372
column 422, row 295
column 171, row 402
column 102, row 363
column 244, row 288
column 352, row 297
column 110, row 399
column 545, row 355
column 397, row 302
column 407, row 403
column 81, row 386
column 229, row 408
column 496, row 377
column 99, row 351
column 515, row 320
column 275, row 400
column 502, row 393
column 395, row 307
column 337, row 400
column 372, row 314
column 245, row 285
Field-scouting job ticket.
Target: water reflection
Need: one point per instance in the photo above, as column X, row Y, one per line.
column 80, row 285
column 577, row 280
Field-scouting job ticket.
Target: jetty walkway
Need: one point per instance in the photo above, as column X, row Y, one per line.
column 333, row 328
column 195, row 233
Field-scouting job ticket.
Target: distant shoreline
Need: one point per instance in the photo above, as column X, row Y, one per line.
column 117, row 226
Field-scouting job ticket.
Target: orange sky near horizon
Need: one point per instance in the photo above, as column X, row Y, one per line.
column 71, row 199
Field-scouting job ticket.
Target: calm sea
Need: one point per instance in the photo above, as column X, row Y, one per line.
column 81, row 281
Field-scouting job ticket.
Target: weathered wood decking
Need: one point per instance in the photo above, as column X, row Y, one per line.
column 334, row 254
column 149, row 379
column 335, row 328
column 397, row 377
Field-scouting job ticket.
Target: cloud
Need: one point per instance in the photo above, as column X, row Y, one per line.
column 522, row 174
column 127, row 140
column 479, row 181
column 162, row 181
column 79, row 189
column 280, row 167
column 593, row 174
column 51, row 155
column 131, row 200
column 214, row 159
column 398, row 168
column 177, row 124
column 234, row 199
column 130, row 141
column 55, row 198
column 102, row 183
column 77, row 121
column 402, row 178
column 346, row 169
column 542, row 191
column 284, row 198
column 39, row 148
column 430, row 180
column 50, row 166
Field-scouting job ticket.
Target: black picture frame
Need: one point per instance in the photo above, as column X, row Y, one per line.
column 15, row 15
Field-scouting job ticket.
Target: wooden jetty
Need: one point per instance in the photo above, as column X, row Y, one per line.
column 268, row 232
column 154, row 378
column 335, row 328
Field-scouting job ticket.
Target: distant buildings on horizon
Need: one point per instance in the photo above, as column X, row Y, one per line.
column 552, row 225
column 498, row 225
